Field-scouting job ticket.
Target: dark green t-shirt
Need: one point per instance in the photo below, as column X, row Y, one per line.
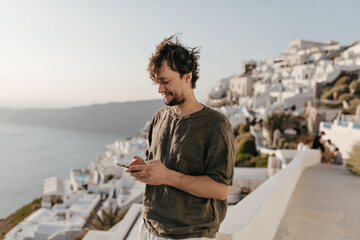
column 198, row 144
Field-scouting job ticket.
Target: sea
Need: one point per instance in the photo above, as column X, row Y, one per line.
column 29, row 154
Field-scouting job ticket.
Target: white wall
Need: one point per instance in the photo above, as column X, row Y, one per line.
column 344, row 137
column 260, row 88
column 259, row 214
column 299, row 100
column 241, row 85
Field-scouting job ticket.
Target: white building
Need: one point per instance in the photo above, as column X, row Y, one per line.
column 242, row 86
column 63, row 221
column 53, row 190
column 350, row 57
column 344, row 132
column 235, row 114
column 303, row 74
column 322, row 71
column 261, row 87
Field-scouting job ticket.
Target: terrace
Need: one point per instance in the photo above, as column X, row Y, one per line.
column 304, row 200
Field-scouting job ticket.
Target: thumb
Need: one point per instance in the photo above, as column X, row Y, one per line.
column 138, row 159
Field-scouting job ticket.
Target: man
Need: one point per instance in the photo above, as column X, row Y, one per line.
column 190, row 157
column 318, row 143
column 330, row 146
column 338, row 160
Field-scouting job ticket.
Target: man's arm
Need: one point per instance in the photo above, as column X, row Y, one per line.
column 200, row 186
column 156, row 173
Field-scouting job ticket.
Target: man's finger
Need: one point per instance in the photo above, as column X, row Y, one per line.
column 137, row 168
column 138, row 174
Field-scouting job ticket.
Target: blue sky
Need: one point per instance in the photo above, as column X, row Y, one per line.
column 63, row 53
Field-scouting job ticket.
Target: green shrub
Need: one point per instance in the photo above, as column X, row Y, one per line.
column 290, row 145
column 287, row 143
column 281, row 142
column 343, row 80
column 277, row 121
column 356, row 86
column 107, row 219
column 242, row 137
column 247, row 160
column 354, row 77
column 352, row 85
column 326, row 88
column 334, row 104
column 243, row 128
column 239, row 129
column 353, row 105
column 346, row 96
column 353, row 163
column 247, row 146
column 341, row 89
column 25, row 211
column 243, row 159
column 260, row 162
column 236, row 130
column 327, row 94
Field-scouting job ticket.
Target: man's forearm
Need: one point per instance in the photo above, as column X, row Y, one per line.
column 200, row 186
column 155, row 173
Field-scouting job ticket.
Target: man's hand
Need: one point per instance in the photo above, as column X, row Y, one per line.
column 153, row 173
column 156, row 173
column 136, row 161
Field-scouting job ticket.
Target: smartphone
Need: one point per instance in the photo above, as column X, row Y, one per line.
column 125, row 166
column 122, row 165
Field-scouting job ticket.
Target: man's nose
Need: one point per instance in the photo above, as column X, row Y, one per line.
column 161, row 88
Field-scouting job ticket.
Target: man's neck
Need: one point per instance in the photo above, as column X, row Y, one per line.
column 188, row 107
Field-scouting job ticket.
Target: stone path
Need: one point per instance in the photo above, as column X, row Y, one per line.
column 324, row 205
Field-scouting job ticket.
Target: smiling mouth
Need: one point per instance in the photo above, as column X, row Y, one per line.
column 166, row 94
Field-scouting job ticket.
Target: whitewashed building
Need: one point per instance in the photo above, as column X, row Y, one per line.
column 289, row 79
column 242, row 86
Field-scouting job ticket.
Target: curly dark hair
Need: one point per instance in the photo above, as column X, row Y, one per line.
column 179, row 58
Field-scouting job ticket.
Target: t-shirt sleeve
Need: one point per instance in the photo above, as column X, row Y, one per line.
column 148, row 155
column 220, row 157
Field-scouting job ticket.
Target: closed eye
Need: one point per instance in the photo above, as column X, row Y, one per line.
column 162, row 82
column 163, row 79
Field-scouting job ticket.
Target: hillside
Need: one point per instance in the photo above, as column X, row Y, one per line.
column 12, row 220
column 346, row 87
column 124, row 118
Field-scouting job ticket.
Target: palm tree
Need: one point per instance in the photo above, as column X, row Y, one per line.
column 277, row 121
column 107, row 220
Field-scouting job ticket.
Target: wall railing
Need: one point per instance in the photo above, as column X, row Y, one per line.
column 264, row 208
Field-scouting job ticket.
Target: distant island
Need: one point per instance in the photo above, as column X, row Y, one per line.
column 125, row 118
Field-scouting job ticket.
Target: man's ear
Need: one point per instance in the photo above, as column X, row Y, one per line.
column 188, row 77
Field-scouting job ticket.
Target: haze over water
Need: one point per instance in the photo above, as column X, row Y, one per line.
column 29, row 154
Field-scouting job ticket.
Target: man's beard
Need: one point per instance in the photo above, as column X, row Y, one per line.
column 175, row 100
